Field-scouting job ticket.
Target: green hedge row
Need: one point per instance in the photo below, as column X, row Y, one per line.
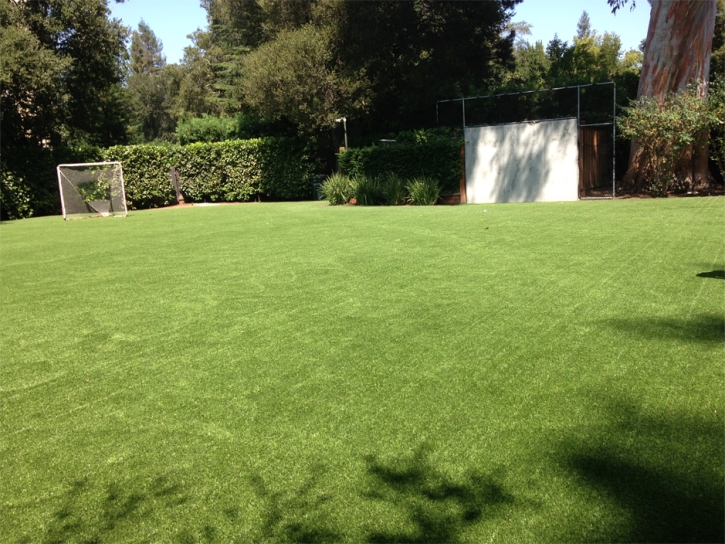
column 439, row 159
column 235, row 170
column 28, row 182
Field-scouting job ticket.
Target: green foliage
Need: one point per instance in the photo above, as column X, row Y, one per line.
column 295, row 76
column 716, row 98
column 205, row 129
column 151, row 87
column 15, row 195
column 663, row 129
column 338, row 189
column 30, row 174
column 717, row 60
column 94, row 190
column 414, row 53
column 435, row 158
column 62, row 66
column 312, row 62
column 423, row 191
column 367, row 191
column 234, row 170
column 392, row 189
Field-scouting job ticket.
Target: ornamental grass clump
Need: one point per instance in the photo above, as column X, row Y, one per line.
column 367, row 191
column 338, row 189
column 423, row 191
column 392, row 189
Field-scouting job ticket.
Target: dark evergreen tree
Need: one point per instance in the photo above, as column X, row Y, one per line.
column 149, row 86
column 63, row 64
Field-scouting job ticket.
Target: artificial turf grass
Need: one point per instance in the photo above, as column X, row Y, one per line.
column 299, row 372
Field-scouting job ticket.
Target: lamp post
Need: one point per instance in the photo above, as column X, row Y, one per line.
column 344, row 126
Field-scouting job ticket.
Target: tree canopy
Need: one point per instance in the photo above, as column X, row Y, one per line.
column 63, row 65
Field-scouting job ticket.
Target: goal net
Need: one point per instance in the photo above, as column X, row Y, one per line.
column 93, row 189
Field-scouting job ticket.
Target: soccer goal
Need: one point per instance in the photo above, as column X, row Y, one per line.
column 93, row 189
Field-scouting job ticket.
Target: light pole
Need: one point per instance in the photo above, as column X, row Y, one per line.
column 344, row 126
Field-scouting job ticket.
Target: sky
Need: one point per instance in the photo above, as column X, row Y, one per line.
column 173, row 20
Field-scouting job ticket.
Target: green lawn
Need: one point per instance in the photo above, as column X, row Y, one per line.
column 297, row 372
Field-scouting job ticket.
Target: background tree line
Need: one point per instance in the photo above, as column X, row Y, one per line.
column 71, row 75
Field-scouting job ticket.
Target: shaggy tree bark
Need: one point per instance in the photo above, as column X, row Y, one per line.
column 677, row 52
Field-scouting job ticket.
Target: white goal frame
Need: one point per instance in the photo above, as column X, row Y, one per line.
column 112, row 213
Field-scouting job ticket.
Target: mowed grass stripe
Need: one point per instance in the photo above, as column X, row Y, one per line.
column 296, row 372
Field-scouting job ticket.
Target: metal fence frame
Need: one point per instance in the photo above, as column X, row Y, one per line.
column 578, row 113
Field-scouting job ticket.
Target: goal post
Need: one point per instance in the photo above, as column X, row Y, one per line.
column 92, row 189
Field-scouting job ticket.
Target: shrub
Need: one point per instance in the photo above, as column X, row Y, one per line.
column 423, row 191
column 234, row 170
column 367, row 191
column 664, row 129
column 15, row 196
column 338, row 189
column 205, row 129
column 436, row 158
column 392, row 189
column 30, row 182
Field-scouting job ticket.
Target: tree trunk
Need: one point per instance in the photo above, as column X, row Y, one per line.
column 677, row 52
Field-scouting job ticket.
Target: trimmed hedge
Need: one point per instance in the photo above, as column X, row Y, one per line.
column 231, row 171
column 28, row 182
column 439, row 159
column 234, row 170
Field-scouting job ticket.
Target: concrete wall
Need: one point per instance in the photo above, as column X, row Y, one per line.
column 523, row 162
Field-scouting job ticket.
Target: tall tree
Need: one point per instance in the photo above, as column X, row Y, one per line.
column 717, row 63
column 583, row 27
column 148, row 85
column 62, row 69
column 415, row 53
column 294, row 76
column 677, row 52
column 390, row 59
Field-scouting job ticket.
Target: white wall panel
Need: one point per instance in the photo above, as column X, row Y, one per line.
column 523, row 162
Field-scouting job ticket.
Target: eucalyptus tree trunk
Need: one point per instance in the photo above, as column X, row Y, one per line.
column 677, row 52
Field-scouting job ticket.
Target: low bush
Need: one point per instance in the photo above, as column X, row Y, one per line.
column 423, row 191
column 15, row 195
column 437, row 158
column 338, row 189
column 367, row 191
column 392, row 189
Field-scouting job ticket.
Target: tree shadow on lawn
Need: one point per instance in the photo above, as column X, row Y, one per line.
column 82, row 517
column 295, row 515
column 664, row 472
column 709, row 328
column 438, row 508
column 717, row 274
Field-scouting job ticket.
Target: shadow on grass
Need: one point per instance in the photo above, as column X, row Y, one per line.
column 295, row 515
column 438, row 508
column 701, row 328
column 664, row 472
column 717, row 274
column 88, row 514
